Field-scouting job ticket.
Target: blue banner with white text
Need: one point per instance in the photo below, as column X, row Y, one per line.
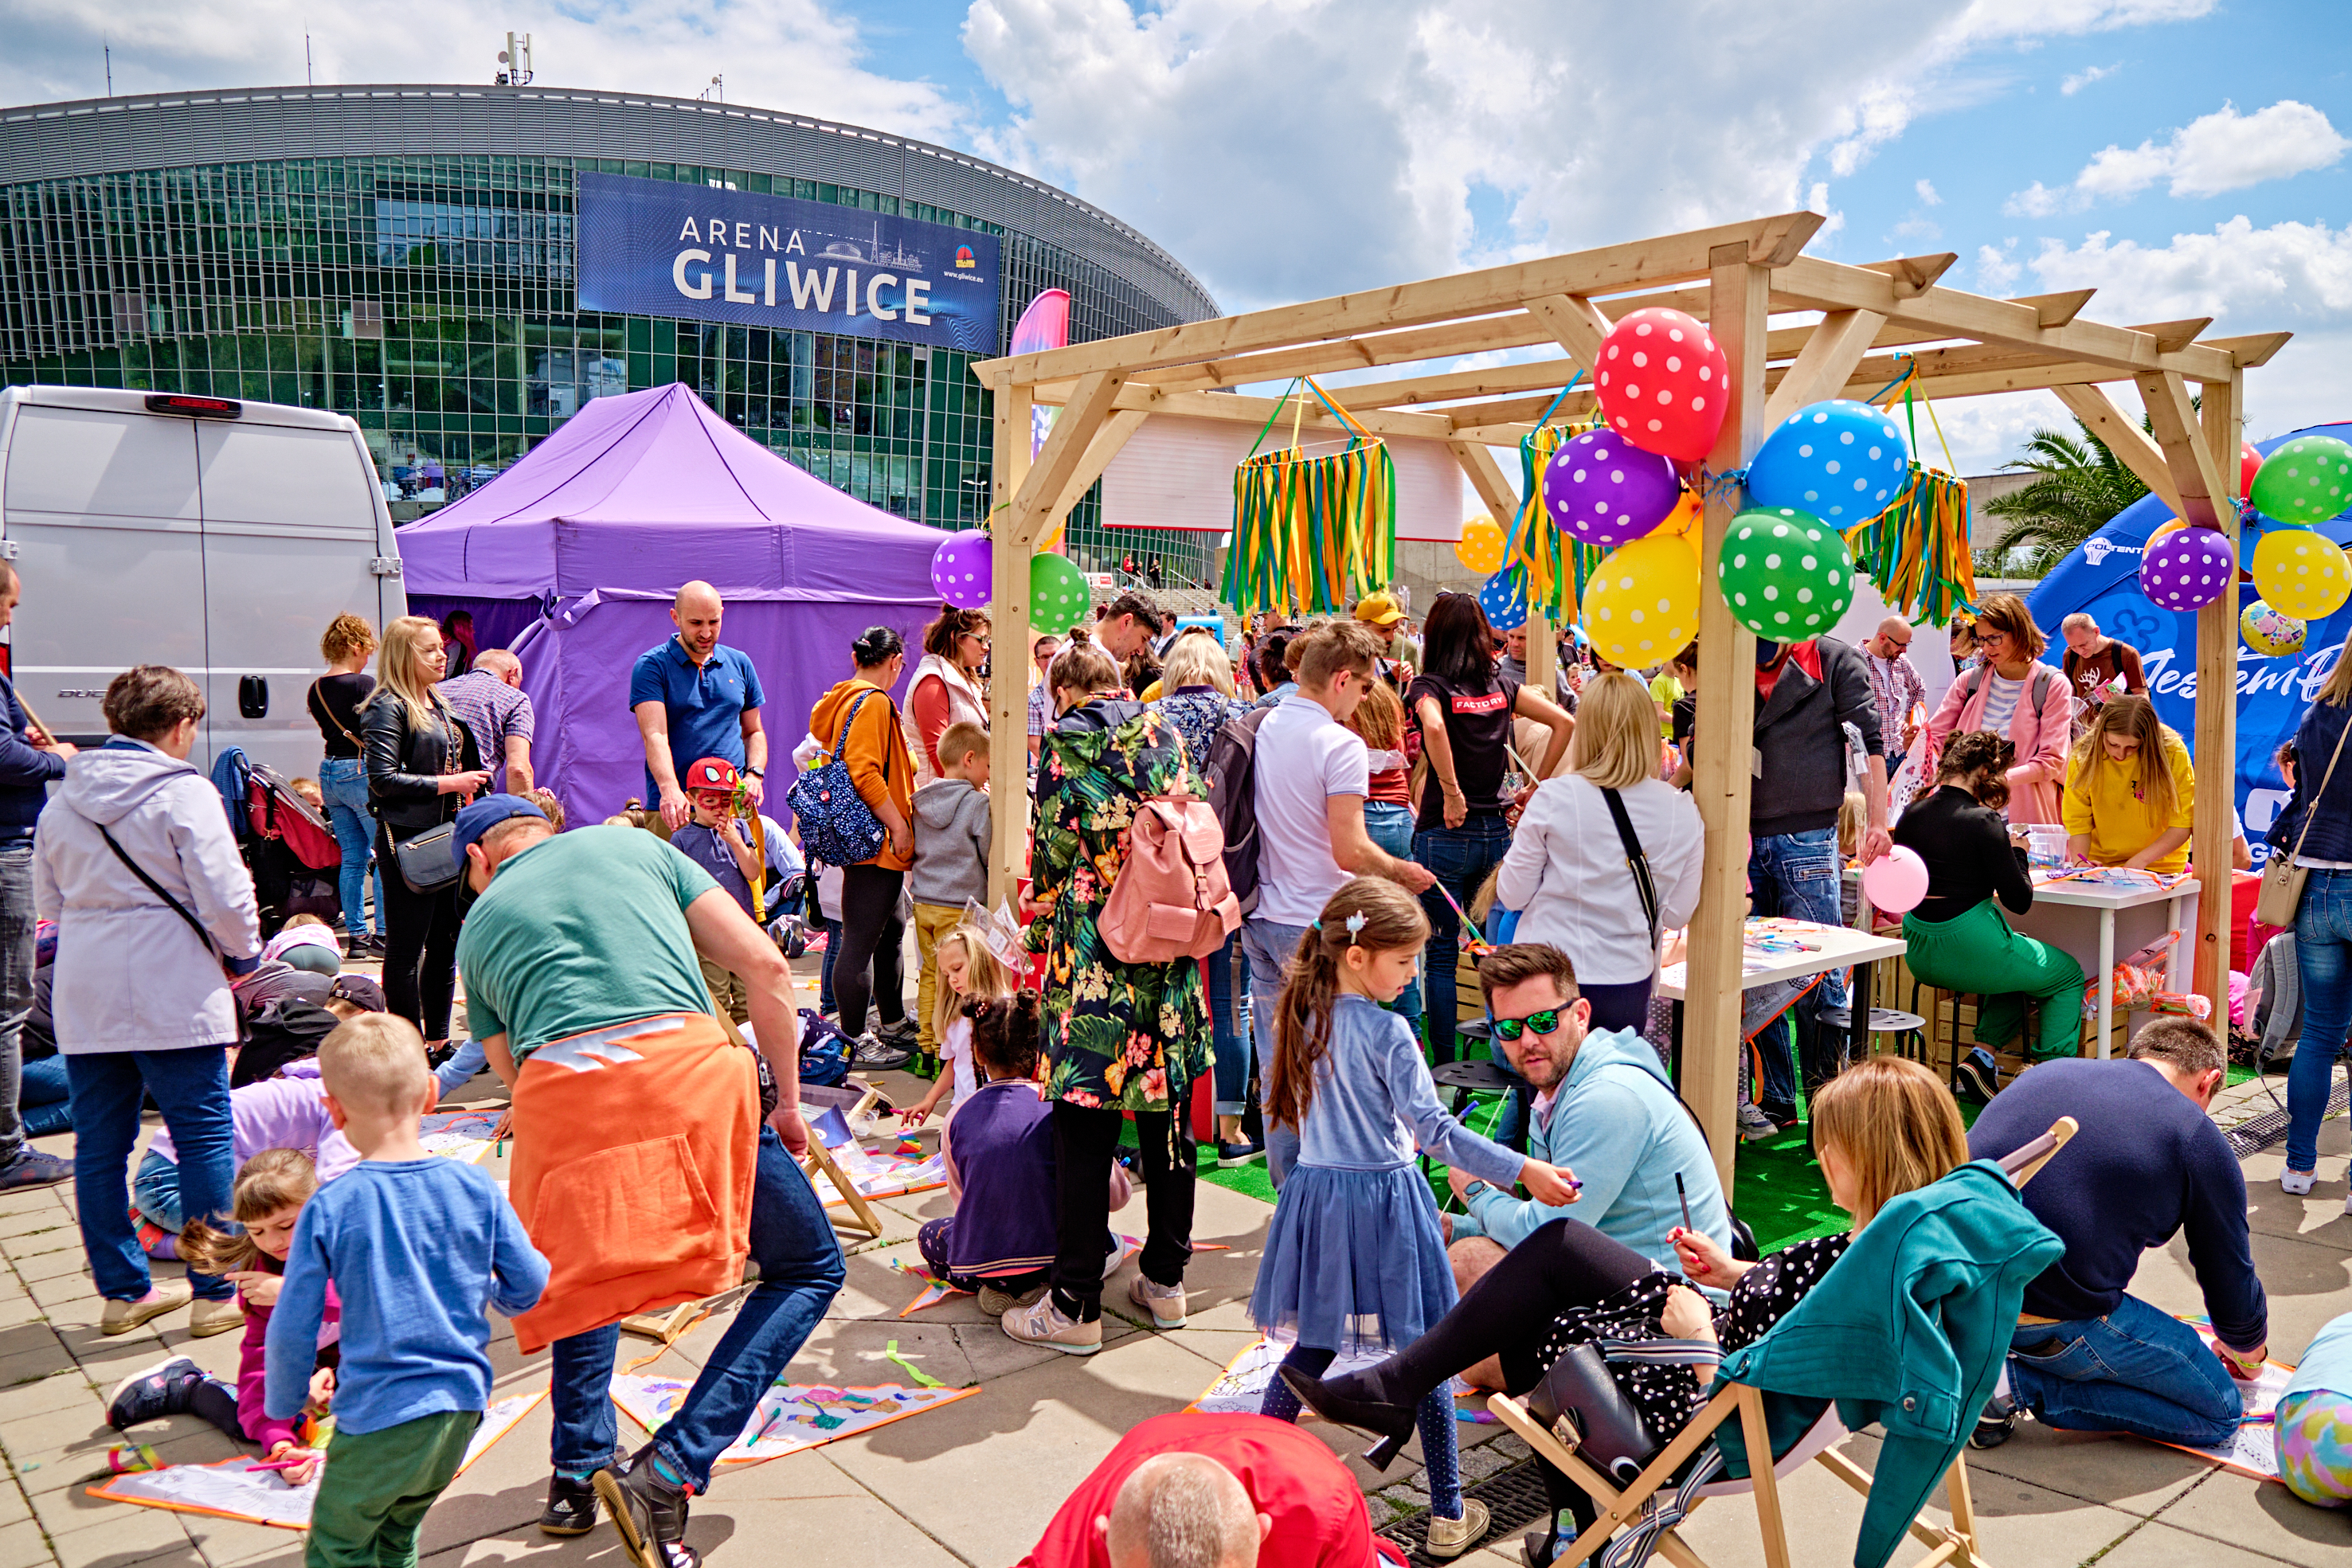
column 655, row 247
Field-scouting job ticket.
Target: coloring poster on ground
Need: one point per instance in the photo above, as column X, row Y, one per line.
column 1240, row 1389
column 790, row 1416
column 232, row 1488
column 2253, row 1449
column 876, row 1175
column 459, row 1134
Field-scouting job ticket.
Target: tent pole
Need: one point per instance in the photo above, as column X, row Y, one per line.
column 1009, row 662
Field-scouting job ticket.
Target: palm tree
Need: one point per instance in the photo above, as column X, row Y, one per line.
column 2078, row 487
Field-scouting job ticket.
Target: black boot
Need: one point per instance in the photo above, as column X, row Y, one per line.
column 1392, row 1424
column 571, row 1505
column 649, row 1512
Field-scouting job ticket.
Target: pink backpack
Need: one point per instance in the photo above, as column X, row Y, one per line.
column 1172, row 898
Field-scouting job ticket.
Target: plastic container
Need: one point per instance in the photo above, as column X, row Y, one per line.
column 2045, row 845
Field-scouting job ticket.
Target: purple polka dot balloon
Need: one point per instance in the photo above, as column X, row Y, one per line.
column 2188, row 569
column 963, row 571
column 1603, row 490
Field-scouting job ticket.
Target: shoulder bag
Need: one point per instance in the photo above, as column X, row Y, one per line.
column 428, row 861
column 319, row 705
column 2283, row 876
column 244, row 1027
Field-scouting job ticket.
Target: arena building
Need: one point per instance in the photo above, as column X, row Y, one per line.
column 461, row 268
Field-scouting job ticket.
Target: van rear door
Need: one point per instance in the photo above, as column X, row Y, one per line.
column 290, row 530
column 104, row 511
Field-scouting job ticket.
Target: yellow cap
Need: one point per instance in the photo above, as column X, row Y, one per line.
column 1378, row 610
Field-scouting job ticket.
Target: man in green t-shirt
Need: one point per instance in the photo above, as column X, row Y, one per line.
column 642, row 1167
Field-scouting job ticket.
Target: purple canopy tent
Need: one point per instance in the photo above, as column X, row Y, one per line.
column 571, row 557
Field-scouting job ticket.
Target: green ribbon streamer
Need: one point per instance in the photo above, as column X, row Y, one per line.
column 890, row 1353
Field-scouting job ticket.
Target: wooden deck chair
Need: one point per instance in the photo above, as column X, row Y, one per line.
column 819, row 1162
column 1621, row 1506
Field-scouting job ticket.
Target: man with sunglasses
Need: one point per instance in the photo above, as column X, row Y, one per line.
column 1604, row 1107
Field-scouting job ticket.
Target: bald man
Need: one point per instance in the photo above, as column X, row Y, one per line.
column 1896, row 691
column 1214, row 1491
column 696, row 697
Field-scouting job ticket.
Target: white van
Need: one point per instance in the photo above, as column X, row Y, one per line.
column 210, row 534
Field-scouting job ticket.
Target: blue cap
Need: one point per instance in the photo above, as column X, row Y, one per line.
column 486, row 813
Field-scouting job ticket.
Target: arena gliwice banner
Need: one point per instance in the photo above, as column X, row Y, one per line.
column 655, row 247
column 2103, row 576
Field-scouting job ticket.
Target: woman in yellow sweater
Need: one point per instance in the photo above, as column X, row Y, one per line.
column 2130, row 791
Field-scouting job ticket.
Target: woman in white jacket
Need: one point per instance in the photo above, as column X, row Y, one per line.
column 140, row 995
column 1567, row 872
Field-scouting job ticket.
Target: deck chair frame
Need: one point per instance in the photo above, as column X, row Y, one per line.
column 1620, row 1507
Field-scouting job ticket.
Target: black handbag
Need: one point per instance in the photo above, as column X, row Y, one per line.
column 428, row 863
column 1580, row 1403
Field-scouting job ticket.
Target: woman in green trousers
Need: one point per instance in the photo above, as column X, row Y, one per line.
column 1958, row 939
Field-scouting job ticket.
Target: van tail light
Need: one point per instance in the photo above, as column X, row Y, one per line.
column 194, row 407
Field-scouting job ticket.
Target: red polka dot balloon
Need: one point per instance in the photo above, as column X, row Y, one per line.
column 1661, row 383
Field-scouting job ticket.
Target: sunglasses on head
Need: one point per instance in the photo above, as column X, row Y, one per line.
column 1544, row 1022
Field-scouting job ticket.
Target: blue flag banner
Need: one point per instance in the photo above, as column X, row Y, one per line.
column 2102, row 577
column 655, row 247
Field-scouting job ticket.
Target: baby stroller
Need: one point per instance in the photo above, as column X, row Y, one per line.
column 293, row 850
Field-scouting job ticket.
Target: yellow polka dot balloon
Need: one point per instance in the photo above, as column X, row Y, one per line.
column 2173, row 527
column 2300, row 573
column 1642, row 604
column 1481, row 546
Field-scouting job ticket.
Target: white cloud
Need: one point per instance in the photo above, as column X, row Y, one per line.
column 2084, row 77
column 1926, row 190
column 2224, row 151
column 795, row 54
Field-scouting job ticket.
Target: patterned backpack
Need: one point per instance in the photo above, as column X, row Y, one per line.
column 837, row 827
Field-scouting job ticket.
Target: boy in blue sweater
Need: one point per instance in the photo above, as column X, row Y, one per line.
column 415, row 1246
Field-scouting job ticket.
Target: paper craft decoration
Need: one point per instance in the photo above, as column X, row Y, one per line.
column 790, row 1416
column 1241, row 1388
column 2253, row 1449
column 232, row 1488
column 459, row 1134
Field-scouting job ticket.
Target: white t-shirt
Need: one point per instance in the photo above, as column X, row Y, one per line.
column 956, row 1050
column 1304, row 757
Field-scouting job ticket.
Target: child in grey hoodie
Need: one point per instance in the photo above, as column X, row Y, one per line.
column 952, row 830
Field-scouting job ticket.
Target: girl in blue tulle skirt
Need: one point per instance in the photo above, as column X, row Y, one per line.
column 1354, row 1260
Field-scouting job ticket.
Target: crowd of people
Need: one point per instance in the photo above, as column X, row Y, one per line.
column 1386, row 800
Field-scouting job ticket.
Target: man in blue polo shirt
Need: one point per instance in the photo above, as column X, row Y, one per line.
column 694, row 697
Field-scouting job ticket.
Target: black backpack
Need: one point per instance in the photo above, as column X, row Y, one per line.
column 285, row 1031
column 1232, row 796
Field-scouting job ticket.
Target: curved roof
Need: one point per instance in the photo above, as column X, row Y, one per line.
column 158, row 130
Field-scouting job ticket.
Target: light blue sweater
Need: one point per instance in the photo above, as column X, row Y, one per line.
column 1374, row 1101
column 1618, row 1126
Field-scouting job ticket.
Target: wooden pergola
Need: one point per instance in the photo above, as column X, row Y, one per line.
column 1851, row 331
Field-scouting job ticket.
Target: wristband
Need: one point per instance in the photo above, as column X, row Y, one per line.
column 755, row 773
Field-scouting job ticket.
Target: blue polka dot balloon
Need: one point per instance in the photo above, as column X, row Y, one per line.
column 1505, row 599
column 1845, row 461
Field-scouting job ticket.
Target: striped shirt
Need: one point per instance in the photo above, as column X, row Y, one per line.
column 492, row 710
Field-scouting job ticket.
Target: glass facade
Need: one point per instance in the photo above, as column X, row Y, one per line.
column 432, row 298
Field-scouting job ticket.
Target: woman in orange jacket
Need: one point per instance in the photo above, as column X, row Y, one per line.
column 859, row 716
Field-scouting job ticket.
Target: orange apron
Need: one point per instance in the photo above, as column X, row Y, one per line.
column 636, row 1147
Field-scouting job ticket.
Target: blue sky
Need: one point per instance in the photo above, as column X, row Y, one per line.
column 2186, row 157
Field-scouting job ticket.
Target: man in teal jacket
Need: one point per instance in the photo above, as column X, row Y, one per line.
column 1603, row 1108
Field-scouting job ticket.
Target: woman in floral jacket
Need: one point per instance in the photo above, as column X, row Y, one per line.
column 1119, row 1037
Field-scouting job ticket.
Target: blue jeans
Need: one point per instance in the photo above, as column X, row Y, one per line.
column 15, row 983
column 1268, row 946
column 2137, row 1370
column 2323, row 961
column 1460, row 858
column 1797, row 875
column 156, row 1190
column 1229, row 1043
column 799, row 1273
column 342, row 783
column 44, row 1097
column 189, row 1085
column 1390, row 825
column 824, row 1002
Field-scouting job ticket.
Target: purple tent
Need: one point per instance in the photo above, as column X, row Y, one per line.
column 571, row 557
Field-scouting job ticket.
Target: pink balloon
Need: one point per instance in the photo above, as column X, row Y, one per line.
column 963, row 571
column 1895, row 881
column 1661, row 383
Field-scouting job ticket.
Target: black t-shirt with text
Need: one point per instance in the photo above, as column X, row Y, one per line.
column 1478, row 728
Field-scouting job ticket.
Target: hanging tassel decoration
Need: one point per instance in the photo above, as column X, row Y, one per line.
column 1555, row 569
column 1312, row 535
column 1916, row 551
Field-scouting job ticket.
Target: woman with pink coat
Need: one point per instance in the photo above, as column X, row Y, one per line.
column 2010, row 695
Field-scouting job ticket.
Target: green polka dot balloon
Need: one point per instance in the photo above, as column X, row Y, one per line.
column 1058, row 595
column 2306, row 481
column 1785, row 574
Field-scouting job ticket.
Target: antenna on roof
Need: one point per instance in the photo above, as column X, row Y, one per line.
column 516, row 57
column 109, row 47
column 716, row 92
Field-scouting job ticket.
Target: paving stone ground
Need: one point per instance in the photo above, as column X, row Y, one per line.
column 973, row 1482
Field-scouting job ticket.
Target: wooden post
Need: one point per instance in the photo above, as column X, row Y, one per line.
column 1543, row 659
column 1008, row 682
column 2215, row 745
column 1724, row 738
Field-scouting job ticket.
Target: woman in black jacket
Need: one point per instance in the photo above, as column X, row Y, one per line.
column 421, row 765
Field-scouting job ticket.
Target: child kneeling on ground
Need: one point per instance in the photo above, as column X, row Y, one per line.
column 999, row 1146
column 416, row 1246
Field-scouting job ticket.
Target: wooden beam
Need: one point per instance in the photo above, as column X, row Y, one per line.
column 2057, row 310
column 1830, row 286
column 1486, row 477
column 1673, row 258
column 1915, row 275
column 1115, row 433
column 1242, row 409
column 1008, row 681
column 2125, row 438
column 2214, row 747
column 2251, row 352
column 1578, row 404
column 1058, row 459
column 1495, row 381
column 2204, row 493
column 1578, row 326
column 1828, row 360
column 1726, row 726
column 2171, row 336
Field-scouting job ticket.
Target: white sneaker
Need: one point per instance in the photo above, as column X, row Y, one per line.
column 1164, row 1303
column 1754, row 1125
column 2294, row 1183
column 1450, row 1538
column 1041, row 1323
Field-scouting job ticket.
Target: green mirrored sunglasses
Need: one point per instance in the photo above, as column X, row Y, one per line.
column 1544, row 1022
